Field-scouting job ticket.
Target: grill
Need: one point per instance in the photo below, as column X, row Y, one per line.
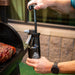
column 9, row 36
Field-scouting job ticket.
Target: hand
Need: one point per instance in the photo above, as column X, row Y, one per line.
column 41, row 65
column 63, row 6
column 41, row 4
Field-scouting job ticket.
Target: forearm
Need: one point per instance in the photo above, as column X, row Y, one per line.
column 63, row 6
column 67, row 67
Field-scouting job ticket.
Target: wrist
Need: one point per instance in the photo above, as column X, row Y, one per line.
column 50, row 66
column 60, row 65
column 55, row 68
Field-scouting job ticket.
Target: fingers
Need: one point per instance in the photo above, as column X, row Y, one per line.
column 40, row 6
column 36, row 70
column 32, row 62
column 37, row 7
column 37, row 4
column 31, row 3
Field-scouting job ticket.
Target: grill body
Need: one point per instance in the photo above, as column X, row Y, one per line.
column 10, row 36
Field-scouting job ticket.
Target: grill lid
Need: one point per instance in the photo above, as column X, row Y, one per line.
column 10, row 36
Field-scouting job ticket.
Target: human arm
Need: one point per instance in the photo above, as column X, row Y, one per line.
column 44, row 66
column 67, row 67
column 62, row 6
